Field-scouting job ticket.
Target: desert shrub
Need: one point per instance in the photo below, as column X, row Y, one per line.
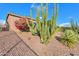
column 27, row 28
column 74, row 26
column 32, row 27
column 46, row 29
column 69, row 38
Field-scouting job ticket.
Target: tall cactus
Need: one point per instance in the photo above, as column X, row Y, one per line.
column 31, row 24
column 46, row 28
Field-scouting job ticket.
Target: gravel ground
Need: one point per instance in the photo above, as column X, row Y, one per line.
column 12, row 45
column 75, row 51
column 20, row 50
column 6, row 33
column 54, row 48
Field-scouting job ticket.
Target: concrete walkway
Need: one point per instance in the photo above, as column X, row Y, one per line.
column 12, row 45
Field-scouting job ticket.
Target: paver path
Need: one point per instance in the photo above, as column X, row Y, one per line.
column 12, row 45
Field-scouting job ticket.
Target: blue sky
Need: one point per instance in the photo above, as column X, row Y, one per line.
column 66, row 11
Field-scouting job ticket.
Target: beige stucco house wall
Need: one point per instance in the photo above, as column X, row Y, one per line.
column 11, row 18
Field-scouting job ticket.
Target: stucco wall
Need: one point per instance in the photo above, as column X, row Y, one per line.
column 11, row 21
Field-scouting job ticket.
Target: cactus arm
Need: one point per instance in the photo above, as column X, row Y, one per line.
column 54, row 34
column 31, row 24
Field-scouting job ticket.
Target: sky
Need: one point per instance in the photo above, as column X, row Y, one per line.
column 66, row 11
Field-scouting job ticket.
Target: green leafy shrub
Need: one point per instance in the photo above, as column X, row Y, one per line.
column 45, row 28
column 69, row 38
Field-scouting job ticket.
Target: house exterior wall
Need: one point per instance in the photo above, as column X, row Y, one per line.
column 11, row 21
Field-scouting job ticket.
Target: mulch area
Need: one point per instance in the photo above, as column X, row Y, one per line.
column 12, row 45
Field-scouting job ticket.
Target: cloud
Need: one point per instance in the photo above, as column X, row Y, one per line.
column 40, row 17
column 37, row 6
column 70, row 17
column 2, row 21
column 65, row 25
column 32, row 6
column 44, row 7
